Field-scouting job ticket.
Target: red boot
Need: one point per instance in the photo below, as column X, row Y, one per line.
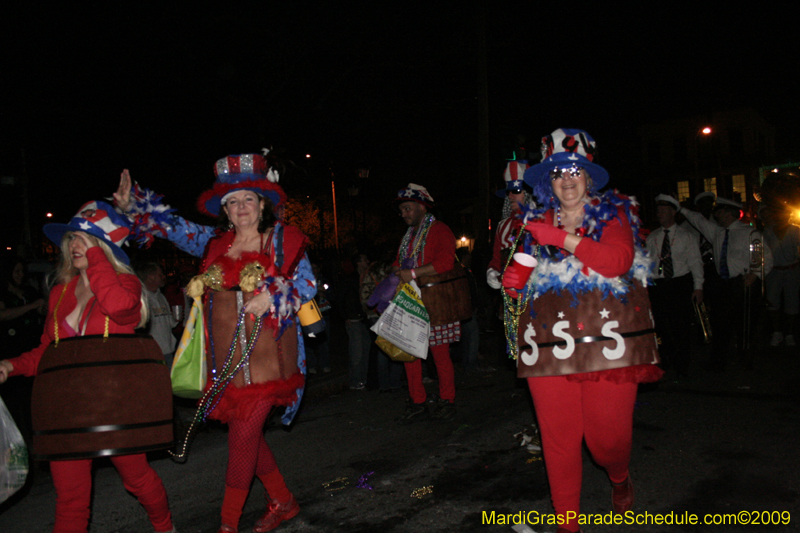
column 622, row 496
column 276, row 513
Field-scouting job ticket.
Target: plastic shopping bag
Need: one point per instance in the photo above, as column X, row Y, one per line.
column 189, row 367
column 405, row 325
column 13, row 455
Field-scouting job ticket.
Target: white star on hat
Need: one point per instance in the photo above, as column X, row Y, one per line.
column 85, row 225
column 561, row 314
column 604, row 313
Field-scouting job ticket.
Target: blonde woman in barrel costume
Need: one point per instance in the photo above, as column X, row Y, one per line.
column 253, row 265
column 96, row 292
column 587, row 340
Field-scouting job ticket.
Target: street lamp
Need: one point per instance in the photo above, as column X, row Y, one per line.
column 702, row 133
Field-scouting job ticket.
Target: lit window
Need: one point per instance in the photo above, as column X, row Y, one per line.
column 739, row 187
column 710, row 185
column 683, row 190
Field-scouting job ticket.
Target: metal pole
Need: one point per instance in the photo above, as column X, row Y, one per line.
column 335, row 219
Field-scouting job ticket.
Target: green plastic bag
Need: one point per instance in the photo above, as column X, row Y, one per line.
column 189, row 366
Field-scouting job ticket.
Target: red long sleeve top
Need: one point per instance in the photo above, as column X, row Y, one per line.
column 612, row 255
column 439, row 250
column 115, row 295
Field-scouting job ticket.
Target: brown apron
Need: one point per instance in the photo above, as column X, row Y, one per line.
column 586, row 333
column 270, row 360
column 96, row 396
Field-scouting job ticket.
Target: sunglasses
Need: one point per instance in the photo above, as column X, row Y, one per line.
column 516, row 190
column 572, row 172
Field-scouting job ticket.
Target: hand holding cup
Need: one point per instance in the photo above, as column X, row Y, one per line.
column 518, row 273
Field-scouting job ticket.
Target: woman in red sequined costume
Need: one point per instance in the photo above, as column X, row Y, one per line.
column 253, row 266
column 588, row 340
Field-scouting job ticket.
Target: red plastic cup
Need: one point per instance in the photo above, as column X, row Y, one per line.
column 523, row 265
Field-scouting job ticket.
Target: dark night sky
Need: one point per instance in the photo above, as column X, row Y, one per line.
column 167, row 91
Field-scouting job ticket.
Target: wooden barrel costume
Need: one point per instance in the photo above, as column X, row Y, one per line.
column 270, row 360
column 96, row 396
column 446, row 296
column 569, row 334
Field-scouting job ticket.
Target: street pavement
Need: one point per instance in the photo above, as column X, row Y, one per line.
column 712, row 443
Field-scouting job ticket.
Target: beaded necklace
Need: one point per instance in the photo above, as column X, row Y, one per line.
column 514, row 307
column 266, row 247
column 214, row 394
column 579, row 231
column 418, row 253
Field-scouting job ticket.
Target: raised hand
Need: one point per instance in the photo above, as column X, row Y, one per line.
column 123, row 195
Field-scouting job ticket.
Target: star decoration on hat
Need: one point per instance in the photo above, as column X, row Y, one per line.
column 85, row 225
column 561, row 314
column 580, row 326
column 604, row 313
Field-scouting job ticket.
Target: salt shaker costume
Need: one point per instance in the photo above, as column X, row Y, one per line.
column 114, row 307
column 275, row 374
column 588, row 338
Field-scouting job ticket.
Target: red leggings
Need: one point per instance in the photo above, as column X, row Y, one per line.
column 444, row 367
column 73, row 482
column 249, row 456
column 569, row 412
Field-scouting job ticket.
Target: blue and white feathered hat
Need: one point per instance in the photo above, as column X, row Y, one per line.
column 564, row 148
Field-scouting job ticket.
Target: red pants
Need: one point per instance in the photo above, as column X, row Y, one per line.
column 569, row 412
column 249, row 456
column 444, row 367
column 73, row 482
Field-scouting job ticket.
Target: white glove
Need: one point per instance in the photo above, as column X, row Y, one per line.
column 493, row 278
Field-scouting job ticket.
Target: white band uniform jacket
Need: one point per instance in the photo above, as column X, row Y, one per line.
column 685, row 253
column 739, row 239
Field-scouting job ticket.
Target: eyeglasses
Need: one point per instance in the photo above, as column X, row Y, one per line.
column 515, row 191
column 572, row 172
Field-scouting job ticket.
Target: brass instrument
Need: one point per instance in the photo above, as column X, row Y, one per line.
column 701, row 311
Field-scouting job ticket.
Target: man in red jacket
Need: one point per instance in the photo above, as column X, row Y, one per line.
column 427, row 248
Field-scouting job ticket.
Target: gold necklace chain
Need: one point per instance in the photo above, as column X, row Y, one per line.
column 55, row 318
